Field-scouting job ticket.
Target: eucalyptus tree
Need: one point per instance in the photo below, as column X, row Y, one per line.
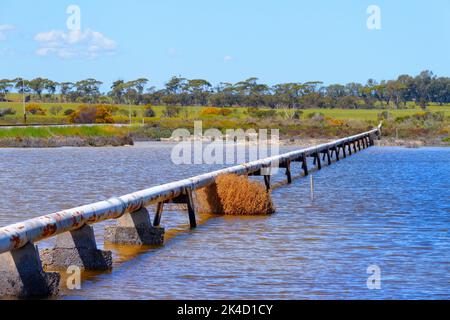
column 88, row 90
column 65, row 88
column 5, row 86
column 38, row 85
column 199, row 90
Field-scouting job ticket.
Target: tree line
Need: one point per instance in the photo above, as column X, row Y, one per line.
column 422, row 89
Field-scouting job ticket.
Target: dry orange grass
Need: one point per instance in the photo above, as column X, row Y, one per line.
column 234, row 195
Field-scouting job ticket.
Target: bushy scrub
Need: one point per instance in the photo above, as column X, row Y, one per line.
column 35, row 109
column 212, row 111
column 316, row 116
column 171, row 111
column 261, row 113
column 68, row 112
column 234, row 195
column 91, row 114
column 6, row 111
column 149, row 112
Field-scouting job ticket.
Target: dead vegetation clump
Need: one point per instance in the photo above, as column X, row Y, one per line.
column 234, row 195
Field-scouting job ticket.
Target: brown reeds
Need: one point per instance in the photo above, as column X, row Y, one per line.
column 234, row 195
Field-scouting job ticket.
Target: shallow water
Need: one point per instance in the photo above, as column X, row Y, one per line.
column 383, row 206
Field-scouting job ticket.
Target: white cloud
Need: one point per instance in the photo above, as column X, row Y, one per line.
column 227, row 58
column 4, row 28
column 75, row 43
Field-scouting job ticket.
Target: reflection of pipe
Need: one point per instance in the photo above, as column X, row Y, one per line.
column 17, row 235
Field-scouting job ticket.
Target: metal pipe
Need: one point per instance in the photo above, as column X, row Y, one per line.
column 19, row 234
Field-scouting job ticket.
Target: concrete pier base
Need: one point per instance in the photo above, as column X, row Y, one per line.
column 135, row 229
column 77, row 248
column 21, row 274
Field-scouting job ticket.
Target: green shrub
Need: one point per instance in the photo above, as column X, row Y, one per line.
column 55, row 110
column 68, row 112
column 149, row 112
column 297, row 114
column 261, row 114
column 7, row 111
column 316, row 116
column 171, row 111
column 385, row 115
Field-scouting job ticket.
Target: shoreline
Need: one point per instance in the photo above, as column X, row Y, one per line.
column 129, row 140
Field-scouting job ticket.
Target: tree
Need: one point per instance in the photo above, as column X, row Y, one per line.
column 422, row 83
column 117, row 91
column 199, row 89
column 55, row 110
column 5, row 86
column 65, row 89
column 88, row 90
column 38, row 85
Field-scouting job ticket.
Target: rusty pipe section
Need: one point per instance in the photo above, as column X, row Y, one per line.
column 17, row 235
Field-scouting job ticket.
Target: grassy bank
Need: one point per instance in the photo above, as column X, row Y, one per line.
column 432, row 126
column 65, row 136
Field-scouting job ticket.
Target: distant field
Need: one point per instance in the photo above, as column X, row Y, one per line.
column 193, row 112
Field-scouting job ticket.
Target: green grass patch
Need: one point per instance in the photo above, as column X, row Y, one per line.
column 48, row 132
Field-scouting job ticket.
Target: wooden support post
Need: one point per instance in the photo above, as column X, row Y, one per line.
column 359, row 144
column 354, row 147
column 191, row 209
column 336, row 151
column 267, row 181
column 343, row 151
column 304, row 165
column 186, row 198
column 288, row 171
column 317, row 157
column 158, row 213
column 371, row 140
column 328, row 157
column 349, row 149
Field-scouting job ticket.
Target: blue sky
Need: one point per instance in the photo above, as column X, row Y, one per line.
column 224, row 40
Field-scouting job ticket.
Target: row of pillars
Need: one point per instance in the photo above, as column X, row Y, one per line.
column 22, row 271
column 345, row 149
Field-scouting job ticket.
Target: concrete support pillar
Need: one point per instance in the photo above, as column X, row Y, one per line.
column 135, row 229
column 77, row 248
column 22, row 275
